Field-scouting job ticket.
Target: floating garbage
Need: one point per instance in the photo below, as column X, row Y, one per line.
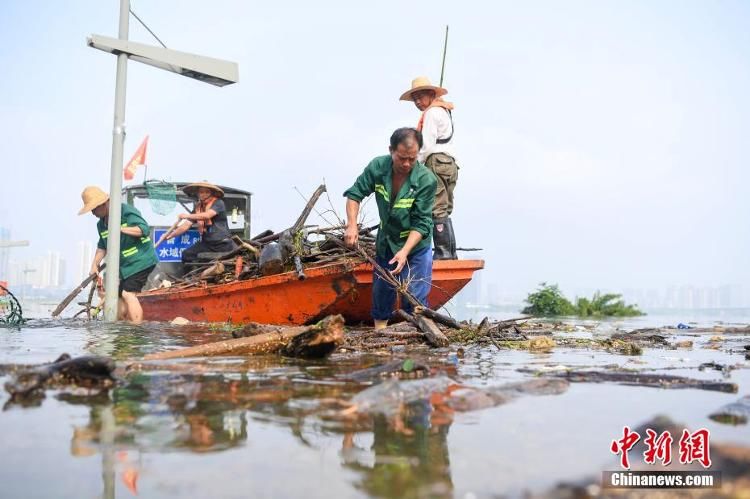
column 736, row 413
column 400, row 369
column 387, row 397
column 90, row 371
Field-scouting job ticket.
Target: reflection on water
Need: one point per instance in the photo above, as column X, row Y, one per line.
column 412, row 461
column 270, row 426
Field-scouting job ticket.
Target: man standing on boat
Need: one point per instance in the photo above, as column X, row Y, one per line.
column 210, row 214
column 437, row 153
column 137, row 254
column 405, row 194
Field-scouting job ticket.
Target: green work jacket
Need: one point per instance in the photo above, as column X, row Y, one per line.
column 411, row 209
column 136, row 253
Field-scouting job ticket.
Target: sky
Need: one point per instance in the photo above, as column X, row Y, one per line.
column 601, row 144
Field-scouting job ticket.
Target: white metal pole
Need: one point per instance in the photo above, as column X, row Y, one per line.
column 112, row 280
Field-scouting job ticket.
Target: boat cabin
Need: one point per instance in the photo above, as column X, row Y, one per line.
column 160, row 202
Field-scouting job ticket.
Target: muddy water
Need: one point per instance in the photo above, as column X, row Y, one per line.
column 272, row 427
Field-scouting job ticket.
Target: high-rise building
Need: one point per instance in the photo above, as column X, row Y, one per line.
column 53, row 270
column 43, row 272
column 85, row 257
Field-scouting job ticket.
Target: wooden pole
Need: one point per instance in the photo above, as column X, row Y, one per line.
column 300, row 220
column 330, row 331
column 252, row 249
column 63, row 304
column 445, row 50
column 308, row 208
column 164, row 236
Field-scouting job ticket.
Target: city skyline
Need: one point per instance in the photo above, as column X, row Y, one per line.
column 672, row 296
column 43, row 272
column 85, row 255
column 678, row 297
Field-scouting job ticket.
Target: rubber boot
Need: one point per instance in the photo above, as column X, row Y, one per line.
column 441, row 239
column 380, row 324
column 451, row 239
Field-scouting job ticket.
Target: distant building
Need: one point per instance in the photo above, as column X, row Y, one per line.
column 43, row 272
column 53, row 270
column 472, row 293
column 84, row 258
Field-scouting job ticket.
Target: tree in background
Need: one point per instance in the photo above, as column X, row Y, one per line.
column 548, row 301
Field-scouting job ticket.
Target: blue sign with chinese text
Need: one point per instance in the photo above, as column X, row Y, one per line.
column 171, row 250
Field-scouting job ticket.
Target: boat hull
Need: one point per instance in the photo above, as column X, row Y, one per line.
column 340, row 288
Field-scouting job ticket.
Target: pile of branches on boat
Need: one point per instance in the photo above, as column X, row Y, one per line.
column 294, row 249
column 269, row 252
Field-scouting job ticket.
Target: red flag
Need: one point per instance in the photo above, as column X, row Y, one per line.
column 138, row 159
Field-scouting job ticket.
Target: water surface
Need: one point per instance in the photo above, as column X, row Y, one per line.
column 268, row 426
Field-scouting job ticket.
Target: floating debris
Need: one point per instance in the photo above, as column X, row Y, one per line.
column 400, row 369
column 88, row 371
column 315, row 341
column 645, row 337
column 641, row 379
column 389, row 397
column 541, row 343
column 736, row 413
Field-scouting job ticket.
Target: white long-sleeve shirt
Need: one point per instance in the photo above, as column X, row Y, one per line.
column 436, row 125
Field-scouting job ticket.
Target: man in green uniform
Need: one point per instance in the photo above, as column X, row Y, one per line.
column 137, row 254
column 405, row 194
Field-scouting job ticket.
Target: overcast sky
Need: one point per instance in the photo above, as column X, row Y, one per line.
column 601, row 143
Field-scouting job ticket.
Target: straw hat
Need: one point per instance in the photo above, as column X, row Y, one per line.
column 192, row 189
column 422, row 83
column 92, row 197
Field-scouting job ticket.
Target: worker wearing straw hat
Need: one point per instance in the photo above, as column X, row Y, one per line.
column 137, row 255
column 210, row 215
column 437, row 153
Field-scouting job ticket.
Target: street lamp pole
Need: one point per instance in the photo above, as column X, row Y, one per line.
column 112, row 277
column 206, row 69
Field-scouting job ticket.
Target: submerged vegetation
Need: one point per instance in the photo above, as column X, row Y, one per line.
column 548, row 301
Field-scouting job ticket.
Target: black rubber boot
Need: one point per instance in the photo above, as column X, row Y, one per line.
column 451, row 238
column 441, row 239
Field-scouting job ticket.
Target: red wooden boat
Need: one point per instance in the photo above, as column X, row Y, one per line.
column 339, row 288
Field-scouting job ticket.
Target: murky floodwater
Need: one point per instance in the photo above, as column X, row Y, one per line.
column 272, row 427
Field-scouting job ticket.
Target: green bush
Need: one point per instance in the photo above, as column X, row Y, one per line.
column 548, row 301
column 605, row 305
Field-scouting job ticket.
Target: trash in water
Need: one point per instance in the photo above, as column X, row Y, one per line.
column 89, row 371
column 736, row 413
column 387, row 397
